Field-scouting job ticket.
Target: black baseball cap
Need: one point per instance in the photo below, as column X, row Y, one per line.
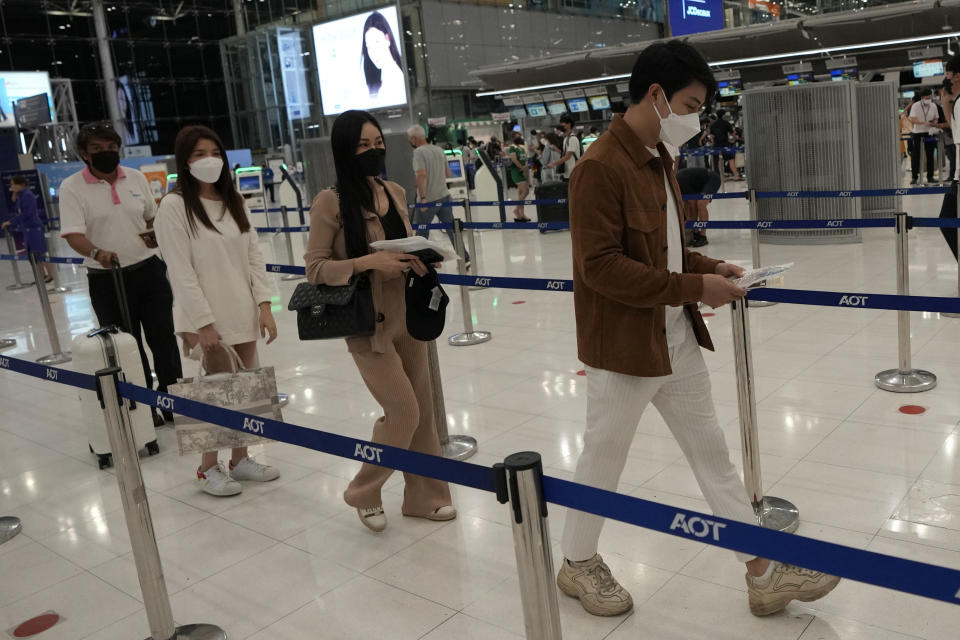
column 426, row 305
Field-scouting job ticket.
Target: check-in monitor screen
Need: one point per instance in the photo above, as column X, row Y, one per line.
column 557, row 108
column 536, row 110
column 578, row 105
column 599, row 103
column 360, row 63
column 456, row 167
column 248, row 183
column 928, row 68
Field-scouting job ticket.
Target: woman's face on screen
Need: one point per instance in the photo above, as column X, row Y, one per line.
column 378, row 47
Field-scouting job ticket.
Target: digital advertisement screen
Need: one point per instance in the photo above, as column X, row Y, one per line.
column 557, row 108
column 928, row 68
column 536, row 110
column 730, row 88
column 16, row 85
column 695, row 16
column 599, row 103
column 578, row 105
column 359, row 62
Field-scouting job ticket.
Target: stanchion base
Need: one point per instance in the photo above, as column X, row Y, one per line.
column 459, row 447
column 754, row 304
column 950, row 315
column 56, row 358
column 59, row 290
column 778, row 514
column 6, row 343
column 913, row 381
column 466, row 339
column 23, row 285
column 9, row 528
column 199, row 632
column 292, row 276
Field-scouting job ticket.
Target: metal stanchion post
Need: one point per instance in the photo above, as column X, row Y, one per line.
column 58, row 356
column 956, row 187
column 6, row 343
column 471, row 239
column 10, row 526
column 289, row 241
column 454, row 447
column 519, row 480
column 755, row 242
column 56, row 288
column 904, row 379
column 772, row 513
column 18, row 283
column 136, row 511
column 469, row 335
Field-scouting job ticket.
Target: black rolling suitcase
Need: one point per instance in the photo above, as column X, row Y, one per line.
column 552, row 212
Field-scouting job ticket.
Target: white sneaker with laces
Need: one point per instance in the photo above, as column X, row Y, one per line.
column 217, row 482
column 250, row 470
column 787, row 582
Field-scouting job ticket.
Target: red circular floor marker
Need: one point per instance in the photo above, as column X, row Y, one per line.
column 519, row 301
column 582, row 372
column 708, row 314
column 912, row 409
column 33, row 626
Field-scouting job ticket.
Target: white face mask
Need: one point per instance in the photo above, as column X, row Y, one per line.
column 676, row 130
column 207, row 169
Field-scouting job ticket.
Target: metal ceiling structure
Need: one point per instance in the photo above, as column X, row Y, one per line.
column 818, row 38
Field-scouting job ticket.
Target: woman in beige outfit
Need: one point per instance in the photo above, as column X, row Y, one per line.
column 343, row 222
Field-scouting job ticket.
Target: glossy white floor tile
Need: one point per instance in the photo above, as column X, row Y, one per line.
column 289, row 560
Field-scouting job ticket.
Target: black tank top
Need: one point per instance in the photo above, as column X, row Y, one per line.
column 393, row 227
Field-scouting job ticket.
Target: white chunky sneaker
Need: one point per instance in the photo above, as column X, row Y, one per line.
column 217, row 482
column 373, row 518
column 593, row 583
column 785, row 583
column 250, row 470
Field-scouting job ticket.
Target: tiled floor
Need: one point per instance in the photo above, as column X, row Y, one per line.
column 289, row 560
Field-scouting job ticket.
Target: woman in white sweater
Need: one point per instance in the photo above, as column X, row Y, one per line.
column 220, row 287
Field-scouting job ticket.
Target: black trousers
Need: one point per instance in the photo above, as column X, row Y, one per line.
column 917, row 141
column 948, row 210
column 151, row 310
column 950, row 150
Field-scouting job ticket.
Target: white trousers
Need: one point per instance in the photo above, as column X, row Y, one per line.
column 615, row 404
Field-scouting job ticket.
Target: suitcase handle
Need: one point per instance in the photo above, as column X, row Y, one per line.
column 121, row 291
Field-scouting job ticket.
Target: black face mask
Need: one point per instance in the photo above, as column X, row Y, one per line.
column 370, row 162
column 105, row 161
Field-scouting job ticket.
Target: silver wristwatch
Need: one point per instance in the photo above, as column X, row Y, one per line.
column 93, row 253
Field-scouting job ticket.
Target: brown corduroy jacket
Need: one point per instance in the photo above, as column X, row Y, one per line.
column 618, row 227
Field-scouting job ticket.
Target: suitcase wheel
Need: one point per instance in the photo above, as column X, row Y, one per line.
column 153, row 448
column 105, row 460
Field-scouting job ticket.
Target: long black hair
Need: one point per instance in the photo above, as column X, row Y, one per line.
column 189, row 187
column 371, row 71
column 353, row 188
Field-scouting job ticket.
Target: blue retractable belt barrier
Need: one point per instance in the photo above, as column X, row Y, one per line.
column 857, row 300
column 931, row 581
column 514, row 203
column 530, row 284
column 936, row 222
column 709, row 151
column 737, row 195
column 541, row 226
column 270, row 210
column 434, row 225
column 861, row 223
column 305, row 229
column 853, row 193
column 52, row 259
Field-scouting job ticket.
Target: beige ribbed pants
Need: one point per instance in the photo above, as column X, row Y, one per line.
column 399, row 380
column 615, row 404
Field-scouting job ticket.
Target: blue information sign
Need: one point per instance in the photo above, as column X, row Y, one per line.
column 695, row 16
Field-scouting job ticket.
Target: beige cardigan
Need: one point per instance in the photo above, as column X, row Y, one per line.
column 327, row 261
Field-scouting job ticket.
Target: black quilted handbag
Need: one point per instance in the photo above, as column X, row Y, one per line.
column 325, row 311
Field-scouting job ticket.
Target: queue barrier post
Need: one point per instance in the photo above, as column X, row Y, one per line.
column 471, row 237
column 755, row 241
column 904, row 379
column 17, row 282
column 453, row 447
column 58, row 356
column 136, row 511
column 956, row 190
column 469, row 336
column 10, row 527
column 289, row 242
column 519, row 480
column 6, row 343
column 56, row 288
column 771, row 512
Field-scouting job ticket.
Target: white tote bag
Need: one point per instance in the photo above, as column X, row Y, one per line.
column 252, row 391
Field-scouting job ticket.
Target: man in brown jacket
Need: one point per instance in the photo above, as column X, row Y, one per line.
column 639, row 332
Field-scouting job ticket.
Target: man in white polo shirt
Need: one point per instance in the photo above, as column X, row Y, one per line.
column 106, row 214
